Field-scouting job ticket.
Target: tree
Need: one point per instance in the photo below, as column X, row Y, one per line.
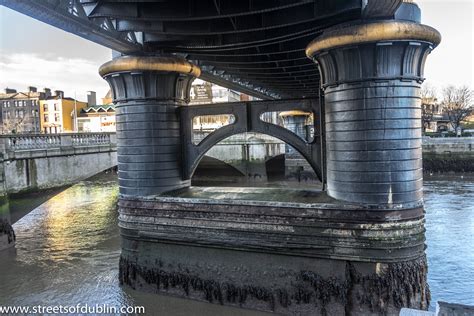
column 428, row 101
column 458, row 104
column 14, row 125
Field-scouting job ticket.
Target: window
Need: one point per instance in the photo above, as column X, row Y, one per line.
column 8, row 115
column 56, row 117
column 46, row 118
column 45, row 107
column 14, row 103
column 56, row 107
column 8, row 104
column 21, row 114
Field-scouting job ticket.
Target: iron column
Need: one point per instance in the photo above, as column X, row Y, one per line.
column 148, row 92
column 371, row 74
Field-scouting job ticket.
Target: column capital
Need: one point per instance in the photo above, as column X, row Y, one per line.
column 375, row 50
column 161, row 78
column 140, row 63
column 369, row 32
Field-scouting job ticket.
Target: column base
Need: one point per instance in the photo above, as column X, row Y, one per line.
column 225, row 246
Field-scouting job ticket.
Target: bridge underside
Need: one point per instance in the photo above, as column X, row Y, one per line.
column 253, row 46
column 355, row 248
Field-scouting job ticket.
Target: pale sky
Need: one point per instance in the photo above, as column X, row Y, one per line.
column 33, row 53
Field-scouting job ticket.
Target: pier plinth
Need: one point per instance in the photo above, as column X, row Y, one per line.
column 258, row 248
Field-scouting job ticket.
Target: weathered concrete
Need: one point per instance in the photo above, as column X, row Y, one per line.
column 255, row 248
column 32, row 162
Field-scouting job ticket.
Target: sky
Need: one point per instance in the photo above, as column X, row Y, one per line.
column 33, row 53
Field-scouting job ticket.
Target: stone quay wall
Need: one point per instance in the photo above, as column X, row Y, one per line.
column 448, row 154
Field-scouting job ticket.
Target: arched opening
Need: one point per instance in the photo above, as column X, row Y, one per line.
column 253, row 159
column 209, row 167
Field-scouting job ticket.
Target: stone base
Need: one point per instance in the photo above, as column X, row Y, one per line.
column 7, row 235
column 282, row 284
column 318, row 257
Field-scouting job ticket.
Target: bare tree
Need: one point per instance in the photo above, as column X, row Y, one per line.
column 428, row 103
column 14, row 125
column 458, row 104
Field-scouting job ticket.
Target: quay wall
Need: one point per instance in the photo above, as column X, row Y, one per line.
column 37, row 162
column 448, row 154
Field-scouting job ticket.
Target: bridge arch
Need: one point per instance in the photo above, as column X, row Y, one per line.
column 223, row 133
column 247, row 118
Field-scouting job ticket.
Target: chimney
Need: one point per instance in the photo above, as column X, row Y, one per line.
column 59, row 94
column 32, row 89
column 91, row 98
column 47, row 92
column 8, row 90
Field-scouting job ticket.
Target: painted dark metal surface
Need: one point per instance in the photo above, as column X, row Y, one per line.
column 373, row 118
column 148, row 129
column 248, row 119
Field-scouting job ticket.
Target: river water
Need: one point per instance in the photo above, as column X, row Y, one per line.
column 68, row 248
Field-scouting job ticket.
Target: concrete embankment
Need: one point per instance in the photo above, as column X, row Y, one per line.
column 448, row 154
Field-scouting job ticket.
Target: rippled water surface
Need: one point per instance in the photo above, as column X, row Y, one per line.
column 68, row 248
column 449, row 204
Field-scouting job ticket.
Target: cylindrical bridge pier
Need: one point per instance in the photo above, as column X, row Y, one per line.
column 148, row 92
column 371, row 76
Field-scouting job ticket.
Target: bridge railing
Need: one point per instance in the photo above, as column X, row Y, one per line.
column 22, row 142
column 91, row 139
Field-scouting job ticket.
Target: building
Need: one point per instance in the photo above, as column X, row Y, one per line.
column 97, row 118
column 20, row 111
column 58, row 114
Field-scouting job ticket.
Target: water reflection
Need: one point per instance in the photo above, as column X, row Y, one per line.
column 67, row 253
column 68, row 248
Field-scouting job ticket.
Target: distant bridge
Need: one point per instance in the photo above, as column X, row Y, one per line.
column 31, row 162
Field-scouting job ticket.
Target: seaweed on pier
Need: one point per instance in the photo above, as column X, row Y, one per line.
column 394, row 285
